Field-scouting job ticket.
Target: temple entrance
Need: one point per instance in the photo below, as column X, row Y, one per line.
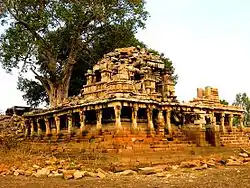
column 76, row 120
column 155, row 118
column 42, row 125
column 108, row 116
column 91, row 117
column 63, row 122
column 126, row 113
column 52, row 123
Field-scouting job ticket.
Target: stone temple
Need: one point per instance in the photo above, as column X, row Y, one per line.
column 130, row 93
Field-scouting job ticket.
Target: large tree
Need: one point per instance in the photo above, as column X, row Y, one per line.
column 35, row 94
column 47, row 36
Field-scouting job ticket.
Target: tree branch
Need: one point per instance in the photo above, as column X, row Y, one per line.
column 45, row 82
column 26, row 25
column 47, row 48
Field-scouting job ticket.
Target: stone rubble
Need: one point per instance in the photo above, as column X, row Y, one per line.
column 11, row 126
column 56, row 170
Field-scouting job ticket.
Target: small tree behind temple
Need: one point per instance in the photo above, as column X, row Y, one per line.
column 242, row 100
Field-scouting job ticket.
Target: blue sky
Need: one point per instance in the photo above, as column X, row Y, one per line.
column 207, row 40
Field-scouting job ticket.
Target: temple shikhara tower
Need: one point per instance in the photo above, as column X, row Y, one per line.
column 130, row 92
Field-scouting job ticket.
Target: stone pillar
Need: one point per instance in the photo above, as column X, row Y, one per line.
column 134, row 117
column 150, row 119
column 241, row 122
column 231, row 117
column 161, row 123
column 215, row 131
column 82, row 121
column 39, row 130
column 70, row 126
column 212, row 119
column 26, row 124
column 168, row 122
column 47, row 124
column 32, row 128
column 98, row 119
column 222, row 122
column 57, row 122
column 202, row 121
column 117, row 109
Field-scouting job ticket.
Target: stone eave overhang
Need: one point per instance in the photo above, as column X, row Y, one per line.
column 206, row 107
column 90, row 103
column 133, row 100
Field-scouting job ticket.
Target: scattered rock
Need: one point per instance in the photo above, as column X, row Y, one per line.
column 8, row 172
column 163, row 175
column 243, row 155
column 175, row 167
column 233, row 158
column 55, row 175
column 231, row 162
column 68, row 174
column 16, row 173
column 202, row 167
column 101, row 171
column 190, row 164
column 126, row 173
column 13, row 168
column 60, row 170
column 36, row 167
column 51, row 161
column 21, row 172
column 150, row 170
column 28, row 172
column 211, row 164
column 78, row 174
column 44, row 172
column 91, row 174
column 242, row 150
column 247, row 159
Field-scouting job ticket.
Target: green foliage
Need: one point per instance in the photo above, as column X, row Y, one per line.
column 35, row 93
column 49, row 37
column 242, row 100
column 168, row 64
column 224, row 102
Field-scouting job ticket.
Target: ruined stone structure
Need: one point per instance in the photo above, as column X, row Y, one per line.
column 130, row 92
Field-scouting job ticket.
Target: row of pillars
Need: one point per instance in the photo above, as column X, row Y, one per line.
column 230, row 122
column 118, row 125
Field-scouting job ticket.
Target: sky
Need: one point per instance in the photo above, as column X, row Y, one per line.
column 208, row 42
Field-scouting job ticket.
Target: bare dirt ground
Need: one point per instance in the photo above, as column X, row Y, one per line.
column 233, row 177
column 23, row 155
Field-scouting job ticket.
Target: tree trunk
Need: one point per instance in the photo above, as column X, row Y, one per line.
column 57, row 93
column 58, row 90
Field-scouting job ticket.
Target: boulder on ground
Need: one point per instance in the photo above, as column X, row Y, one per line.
column 150, row 170
column 68, row 174
column 79, row 174
column 190, row 164
column 126, row 173
column 44, row 172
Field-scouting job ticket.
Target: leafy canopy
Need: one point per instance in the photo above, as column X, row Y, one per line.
column 48, row 37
